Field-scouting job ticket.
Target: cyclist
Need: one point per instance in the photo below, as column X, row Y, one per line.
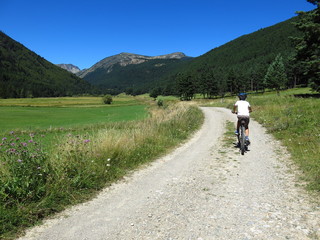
column 242, row 108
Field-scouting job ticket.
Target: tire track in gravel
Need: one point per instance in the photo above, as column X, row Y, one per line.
column 200, row 191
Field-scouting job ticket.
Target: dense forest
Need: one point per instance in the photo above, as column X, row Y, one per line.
column 306, row 62
column 26, row 74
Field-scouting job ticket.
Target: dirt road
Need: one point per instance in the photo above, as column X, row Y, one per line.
column 202, row 190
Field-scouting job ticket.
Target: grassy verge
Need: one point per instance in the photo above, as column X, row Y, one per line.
column 35, row 183
column 294, row 121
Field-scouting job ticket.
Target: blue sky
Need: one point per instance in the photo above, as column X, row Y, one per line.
column 84, row 32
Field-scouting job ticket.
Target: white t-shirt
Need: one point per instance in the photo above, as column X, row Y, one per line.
column 243, row 107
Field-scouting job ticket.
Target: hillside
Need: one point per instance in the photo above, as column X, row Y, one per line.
column 126, row 70
column 241, row 64
column 23, row 73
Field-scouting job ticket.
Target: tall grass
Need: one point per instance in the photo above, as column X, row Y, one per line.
column 295, row 122
column 81, row 164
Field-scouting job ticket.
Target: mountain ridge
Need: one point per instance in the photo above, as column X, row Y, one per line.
column 124, row 59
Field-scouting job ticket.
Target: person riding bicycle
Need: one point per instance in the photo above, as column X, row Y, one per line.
column 242, row 108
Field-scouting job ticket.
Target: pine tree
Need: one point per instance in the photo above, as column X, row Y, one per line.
column 156, row 92
column 276, row 75
column 308, row 46
column 185, row 86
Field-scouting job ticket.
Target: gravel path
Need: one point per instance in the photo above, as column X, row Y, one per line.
column 203, row 190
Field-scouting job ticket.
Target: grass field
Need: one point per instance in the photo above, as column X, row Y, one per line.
column 47, row 113
column 36, row 118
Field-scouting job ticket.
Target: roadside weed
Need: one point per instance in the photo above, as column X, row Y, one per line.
column 24, row 169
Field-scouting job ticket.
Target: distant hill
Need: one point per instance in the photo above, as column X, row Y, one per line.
column 69, row 67
column 23, row 73
column 127, row 70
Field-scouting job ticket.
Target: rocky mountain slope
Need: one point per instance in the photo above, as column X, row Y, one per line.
column 69, row 67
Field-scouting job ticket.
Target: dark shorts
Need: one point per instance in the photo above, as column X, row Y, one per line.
column 246, row 119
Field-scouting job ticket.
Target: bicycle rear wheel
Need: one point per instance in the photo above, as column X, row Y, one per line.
column 242, row 140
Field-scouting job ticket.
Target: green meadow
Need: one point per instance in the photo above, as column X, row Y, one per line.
column 51, row 113
column 35, row 118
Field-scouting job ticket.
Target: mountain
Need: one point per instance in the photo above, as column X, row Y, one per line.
column 124, row 59
column 127, row 70
column 23, row 73
column 69, row 67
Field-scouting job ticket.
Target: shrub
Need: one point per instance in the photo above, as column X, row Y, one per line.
column 107, row 99
column 160, row 103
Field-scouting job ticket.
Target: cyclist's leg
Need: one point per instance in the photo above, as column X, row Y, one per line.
column 247, row 126
column 247, row 132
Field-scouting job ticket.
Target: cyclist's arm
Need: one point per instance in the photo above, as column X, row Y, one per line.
column 250, row 109
column 234, row 108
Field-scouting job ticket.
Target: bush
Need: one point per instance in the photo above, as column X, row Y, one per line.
column 107, row 99
column 160, row 103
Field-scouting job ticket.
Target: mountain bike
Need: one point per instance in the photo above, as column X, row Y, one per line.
column 242, row 137
column 242, row 143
